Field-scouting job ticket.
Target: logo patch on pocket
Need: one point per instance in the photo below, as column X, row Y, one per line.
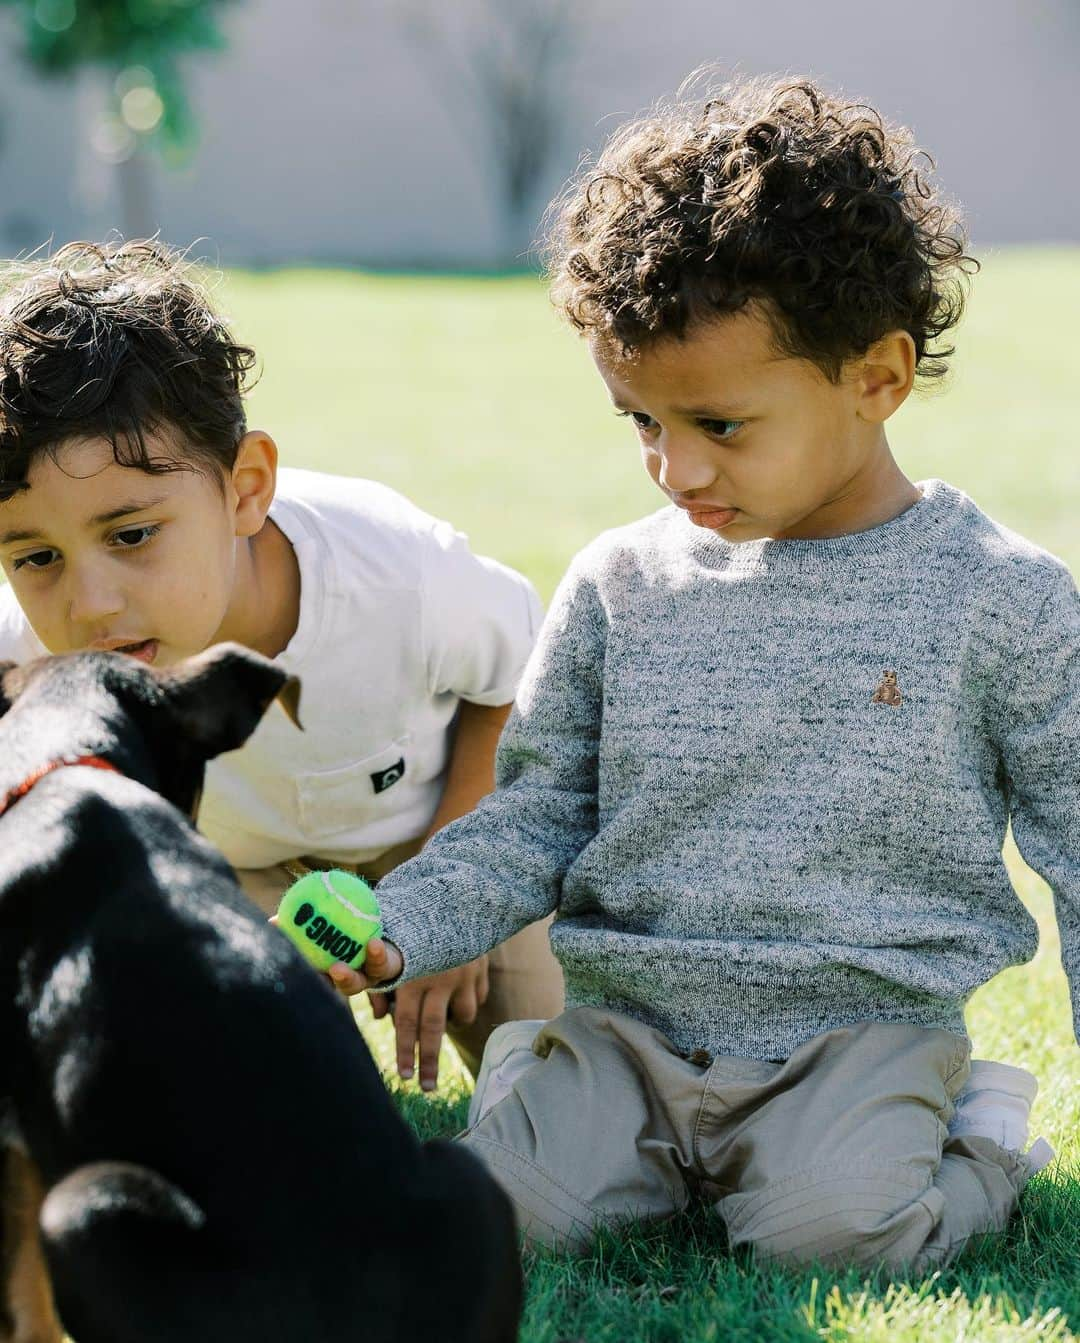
column 383, row 779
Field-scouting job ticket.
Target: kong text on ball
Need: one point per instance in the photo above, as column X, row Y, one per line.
column 330, row 916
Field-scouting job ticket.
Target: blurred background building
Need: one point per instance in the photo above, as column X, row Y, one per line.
column 430, row 133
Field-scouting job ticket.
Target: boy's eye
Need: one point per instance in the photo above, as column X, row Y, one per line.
column 639, row 417
column 40, row 559
column 133, row 537
column 722, row 428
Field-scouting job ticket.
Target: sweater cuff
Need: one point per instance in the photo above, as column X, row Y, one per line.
column 421, row 932
column 389, row 985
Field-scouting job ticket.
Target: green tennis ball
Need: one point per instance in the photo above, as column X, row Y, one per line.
column 330, row 916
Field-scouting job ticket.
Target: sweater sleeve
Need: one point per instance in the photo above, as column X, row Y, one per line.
column 492, row 872
column 1039, row 740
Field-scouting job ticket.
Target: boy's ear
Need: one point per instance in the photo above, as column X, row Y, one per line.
column 886, row 377
column 218, row 698
column 5, row 698
column 254, row 479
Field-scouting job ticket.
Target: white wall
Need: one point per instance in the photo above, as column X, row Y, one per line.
column 323, row 139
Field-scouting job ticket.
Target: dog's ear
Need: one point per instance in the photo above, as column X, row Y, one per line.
column 218, row 698
column 5, row 698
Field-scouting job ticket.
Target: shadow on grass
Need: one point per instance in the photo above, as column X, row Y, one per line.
column 439, row 1116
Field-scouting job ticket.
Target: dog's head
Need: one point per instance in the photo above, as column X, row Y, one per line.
column 159, row 727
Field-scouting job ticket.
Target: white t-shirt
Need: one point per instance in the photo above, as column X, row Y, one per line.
column 399, row 622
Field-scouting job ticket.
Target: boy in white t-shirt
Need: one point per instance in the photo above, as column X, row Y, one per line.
column 139, row 513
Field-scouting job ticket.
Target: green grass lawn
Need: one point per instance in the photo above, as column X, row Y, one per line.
column 469, row 396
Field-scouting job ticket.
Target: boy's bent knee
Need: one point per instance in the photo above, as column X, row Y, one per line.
column 547, row 1213
column 837, row 1216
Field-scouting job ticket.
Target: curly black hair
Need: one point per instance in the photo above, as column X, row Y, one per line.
column 116, row 341
column 768, row 191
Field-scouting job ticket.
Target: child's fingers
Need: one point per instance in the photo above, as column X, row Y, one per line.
column 382, row 962
column 380, row 1005
column 464, row 1004
column 406, row 1020
column 432, row 1026
column 346, row 980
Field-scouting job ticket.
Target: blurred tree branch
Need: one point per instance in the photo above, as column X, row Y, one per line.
column 502, row 68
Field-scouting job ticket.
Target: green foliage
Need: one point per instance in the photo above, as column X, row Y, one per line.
column 61, row 36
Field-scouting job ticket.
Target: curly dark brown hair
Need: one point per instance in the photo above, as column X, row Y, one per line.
column 116, row 342
column 768, row 191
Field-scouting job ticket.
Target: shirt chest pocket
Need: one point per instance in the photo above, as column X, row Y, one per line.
column 366, row 790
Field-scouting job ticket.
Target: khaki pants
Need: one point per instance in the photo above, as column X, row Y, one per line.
column 524, row 978
column 839, row 1154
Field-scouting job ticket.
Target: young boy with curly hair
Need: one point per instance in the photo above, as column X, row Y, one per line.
column 764, row 755
column 138, row 512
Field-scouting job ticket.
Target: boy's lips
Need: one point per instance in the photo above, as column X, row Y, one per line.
column 143, row 649
column 709, row 516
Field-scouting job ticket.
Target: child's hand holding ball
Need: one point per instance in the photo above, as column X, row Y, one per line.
column 333, row 918
column 383, row 963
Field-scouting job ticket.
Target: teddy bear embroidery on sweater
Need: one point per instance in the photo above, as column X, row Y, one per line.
column 888, row 692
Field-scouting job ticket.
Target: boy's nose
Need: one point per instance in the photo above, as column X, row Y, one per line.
column 92, row 598
column 683, row 467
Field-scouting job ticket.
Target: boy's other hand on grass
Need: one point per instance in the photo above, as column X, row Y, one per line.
column 420, row 1011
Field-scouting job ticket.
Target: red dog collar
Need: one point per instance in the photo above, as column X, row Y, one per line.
column 12, row 796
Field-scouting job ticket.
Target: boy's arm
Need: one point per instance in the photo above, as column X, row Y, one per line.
column 422, row 1007
column 471, row 774
column 1038, row 733
column 499, row 868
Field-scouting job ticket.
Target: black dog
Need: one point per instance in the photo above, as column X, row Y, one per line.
column 217, row 1153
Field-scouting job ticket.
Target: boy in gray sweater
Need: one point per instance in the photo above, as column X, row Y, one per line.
column 763, row 759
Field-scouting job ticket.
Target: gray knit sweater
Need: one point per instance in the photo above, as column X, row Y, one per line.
column 765, row 786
